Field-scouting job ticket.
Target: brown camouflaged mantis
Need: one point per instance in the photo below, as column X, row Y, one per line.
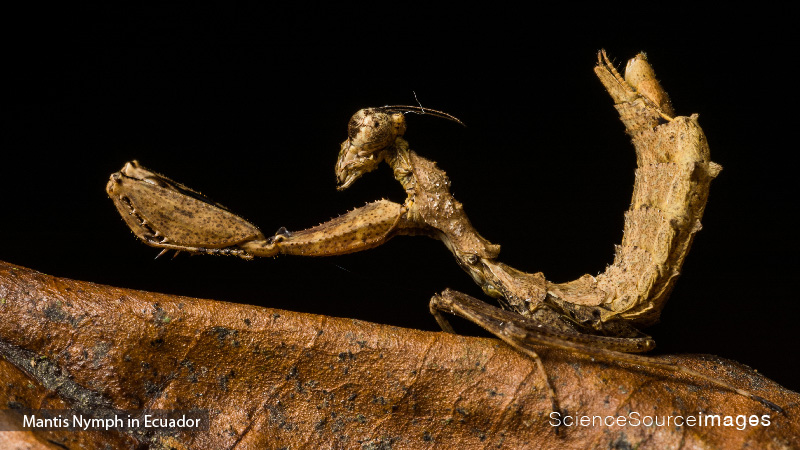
column 593, row 315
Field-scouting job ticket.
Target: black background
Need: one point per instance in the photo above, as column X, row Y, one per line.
column 249, row 106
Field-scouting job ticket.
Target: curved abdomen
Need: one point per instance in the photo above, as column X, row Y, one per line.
column 671, row 187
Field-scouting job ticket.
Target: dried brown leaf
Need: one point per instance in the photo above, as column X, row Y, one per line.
column 273, row 379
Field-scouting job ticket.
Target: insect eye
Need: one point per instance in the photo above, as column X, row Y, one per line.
column 371, row 129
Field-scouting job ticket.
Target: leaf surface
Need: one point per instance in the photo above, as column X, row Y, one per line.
column 274, row 379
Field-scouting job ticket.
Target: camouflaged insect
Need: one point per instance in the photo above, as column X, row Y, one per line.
column 593, row 315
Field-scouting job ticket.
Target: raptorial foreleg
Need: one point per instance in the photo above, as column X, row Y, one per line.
column 360, row 229
column 169, row 215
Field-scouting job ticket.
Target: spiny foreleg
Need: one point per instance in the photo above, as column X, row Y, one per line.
column 360, row 229
column 168, row 215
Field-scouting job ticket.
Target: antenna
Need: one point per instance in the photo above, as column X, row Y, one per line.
column 421, row 110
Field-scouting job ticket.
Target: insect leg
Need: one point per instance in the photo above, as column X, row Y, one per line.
column 523, row 333
column 360, row 229
column 168, row 215
column 485, row 316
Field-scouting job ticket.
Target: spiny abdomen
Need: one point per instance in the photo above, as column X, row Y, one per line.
column 671, row 187
column 670, row 192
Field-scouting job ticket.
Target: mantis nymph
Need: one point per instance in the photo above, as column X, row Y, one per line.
column 593, row 315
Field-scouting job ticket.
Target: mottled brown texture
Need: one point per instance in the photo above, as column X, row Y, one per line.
column 274, row 379
column 166, row 214
column 364, row 227
column 669, row 196
column 438, row 209
column 591, row 315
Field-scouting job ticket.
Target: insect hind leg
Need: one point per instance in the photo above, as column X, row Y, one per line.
column 524, row 333
column 493, row 320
